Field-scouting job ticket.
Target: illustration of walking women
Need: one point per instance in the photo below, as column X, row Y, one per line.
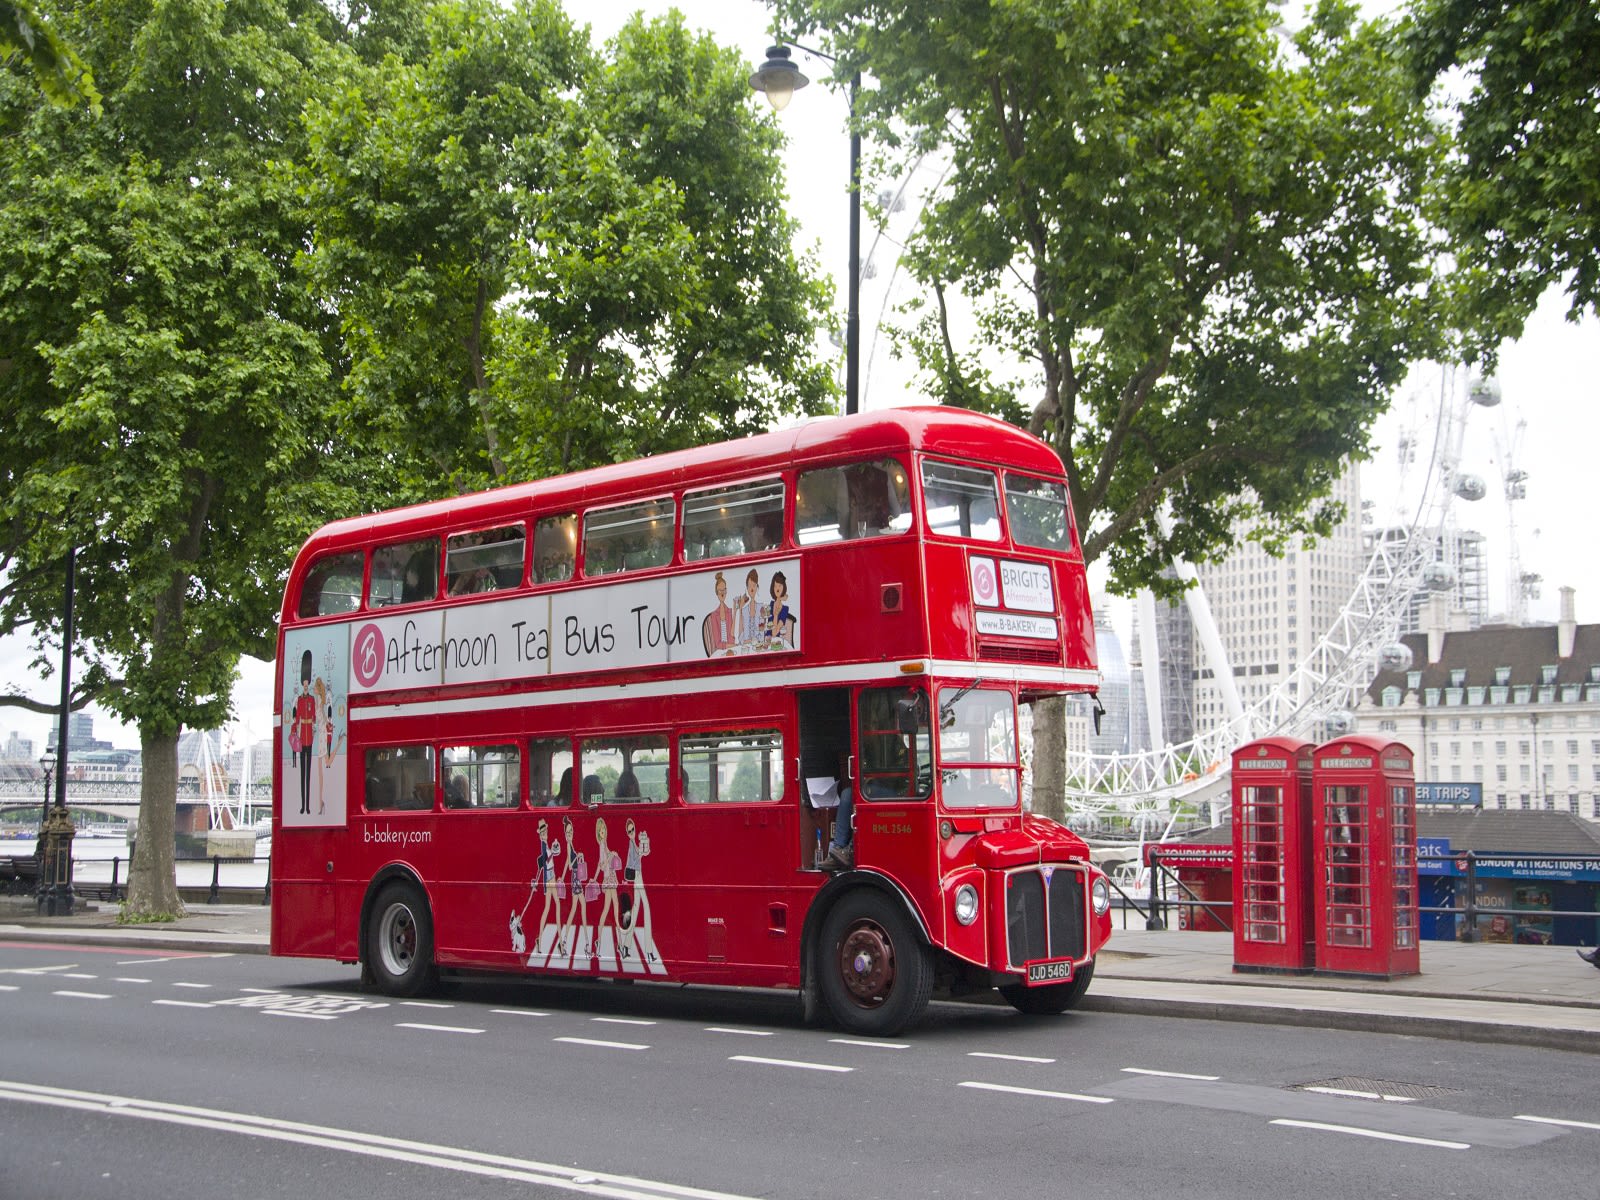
column 332, row 740
column 576, row 879
column 747, row 612
column 637, row 922
column 606, row 865
column 546, row 881
column 302, row 732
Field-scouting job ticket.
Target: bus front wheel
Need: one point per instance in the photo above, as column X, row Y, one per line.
column 400, row 942
column 876, row 973
column 1051, row 999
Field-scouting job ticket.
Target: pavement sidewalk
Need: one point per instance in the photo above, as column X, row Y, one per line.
column 1519, row 995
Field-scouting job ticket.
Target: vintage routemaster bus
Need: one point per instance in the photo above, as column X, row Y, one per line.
column 595, row 725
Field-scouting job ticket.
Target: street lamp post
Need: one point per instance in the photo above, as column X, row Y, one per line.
column 779, row 79
column 54, row 897
column 47, row 764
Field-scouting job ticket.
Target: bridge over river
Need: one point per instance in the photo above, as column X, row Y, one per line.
column 118, row 800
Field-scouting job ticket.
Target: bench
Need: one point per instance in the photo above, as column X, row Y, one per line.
column 19, row 875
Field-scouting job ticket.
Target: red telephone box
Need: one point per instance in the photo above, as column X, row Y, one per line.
column 1364, row 827
column 1272, row 894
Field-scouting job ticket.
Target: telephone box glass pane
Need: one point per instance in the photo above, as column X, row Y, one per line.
column 1348, row 884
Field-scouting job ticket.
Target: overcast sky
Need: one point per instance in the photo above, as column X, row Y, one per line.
column 1550, row 379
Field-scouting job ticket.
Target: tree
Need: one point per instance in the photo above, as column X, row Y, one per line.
column 166, row 380
column 61, row 74
column 1201, row 249
column 544, row 258
column 1519, row 193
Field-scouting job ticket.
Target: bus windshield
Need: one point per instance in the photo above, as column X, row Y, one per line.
column 978, row 748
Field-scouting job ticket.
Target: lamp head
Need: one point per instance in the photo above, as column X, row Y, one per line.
column 778, row 78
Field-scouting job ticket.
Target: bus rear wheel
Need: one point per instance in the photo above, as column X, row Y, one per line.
column 875, row 971
column 1051, row 999
column 400, row 942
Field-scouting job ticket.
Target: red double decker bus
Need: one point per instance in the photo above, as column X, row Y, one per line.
column 598, row 725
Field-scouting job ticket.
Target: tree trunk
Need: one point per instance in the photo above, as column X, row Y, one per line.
column 1050, row 757
column 152, row 873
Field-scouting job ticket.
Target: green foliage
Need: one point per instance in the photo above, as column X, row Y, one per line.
column 60, row 73
column 544, row 258
column 1202, row 251
column 1519, row 193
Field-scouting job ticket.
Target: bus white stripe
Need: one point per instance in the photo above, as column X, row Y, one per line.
column 743, row 681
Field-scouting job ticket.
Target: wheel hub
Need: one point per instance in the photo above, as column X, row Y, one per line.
column 866, row 964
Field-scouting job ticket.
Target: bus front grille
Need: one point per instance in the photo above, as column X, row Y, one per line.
column 1045, row 914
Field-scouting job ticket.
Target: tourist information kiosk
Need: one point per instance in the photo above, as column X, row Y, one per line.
column 1272, row 893
column 1364, row 830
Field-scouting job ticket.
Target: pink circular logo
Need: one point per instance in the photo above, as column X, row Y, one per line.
column 366, row 655
column 983, row 581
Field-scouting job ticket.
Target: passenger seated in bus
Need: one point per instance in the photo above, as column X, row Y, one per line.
column 593, row 790
column 683, row 785
column 563, row 794
column 455, row 791
column 627, row 786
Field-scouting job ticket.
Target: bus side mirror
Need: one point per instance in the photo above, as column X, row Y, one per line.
column 908, row 714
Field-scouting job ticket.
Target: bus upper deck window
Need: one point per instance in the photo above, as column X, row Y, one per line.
column 404, row 573
column 961, row 502
column 483, row 560
column 744, row 519
column 629, row 537
column 333, row 585
column 555, row 548
column 1037, row 511
column 859, row 500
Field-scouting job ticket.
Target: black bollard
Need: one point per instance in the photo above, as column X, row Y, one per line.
column 216, row 868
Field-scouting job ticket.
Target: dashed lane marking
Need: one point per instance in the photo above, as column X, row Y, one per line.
column 1558, row 1121
column 620, row 1021
column 519, row 1012
column 435, row 1028
column 790, row 1062
column 1178, row 1075
column 1381, row 1135
column 183, row 1003
column 1360, row 1095
column 740, row 1032
column 1022, row 1058
column 871, row 1044
column 578, row 1041
column 1026, row 1091
column 76, row 975
column 424, row 1004
column 82, row 995
column 180, row 983
column 128, row 979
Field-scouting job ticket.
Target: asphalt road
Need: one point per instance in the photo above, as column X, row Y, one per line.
column 139, row 1075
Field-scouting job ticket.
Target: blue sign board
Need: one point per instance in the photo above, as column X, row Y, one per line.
column 1434, row 857
column 1465, row 795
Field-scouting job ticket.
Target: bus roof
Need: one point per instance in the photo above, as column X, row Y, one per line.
column 953, row 431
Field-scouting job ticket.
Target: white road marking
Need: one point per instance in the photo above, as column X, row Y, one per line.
column 128, row 979
column 1023, row 1091
column 1380, row 1134
column 183, row 1003
column 1359, row 1095
column 424, row 1004
column 435, row 1028
column 571, row 1179
column 577, row 1041
column 518, row 1012
column 83, row 995
column 1027, row 1058
column 192, row 985
column 289, row 1012
column 8, row 987
column 38, row 970
column 134, row 962
column 263, row 991
column 1178, row 1075
column 1558, row 1121
column 78, row 975
column 869, row 1042
column 789, row 1062
column 621, row 1021
column 740, row 1032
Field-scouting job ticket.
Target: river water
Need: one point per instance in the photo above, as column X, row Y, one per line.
column 92, row 863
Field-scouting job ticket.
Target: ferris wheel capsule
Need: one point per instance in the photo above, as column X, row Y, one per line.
column 1485, row 391
column 1340, row 722
column 1470, row 487
column 1438, row 577
column 1395, row 656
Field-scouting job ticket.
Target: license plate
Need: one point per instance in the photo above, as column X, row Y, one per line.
column 1054, row 970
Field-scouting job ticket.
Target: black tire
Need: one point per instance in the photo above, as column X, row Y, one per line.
column 400, row 942
column 875, row 971
column 1051, row 999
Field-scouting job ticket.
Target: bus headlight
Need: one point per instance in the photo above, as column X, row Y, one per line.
column 966, row 904
column 1100, row 895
